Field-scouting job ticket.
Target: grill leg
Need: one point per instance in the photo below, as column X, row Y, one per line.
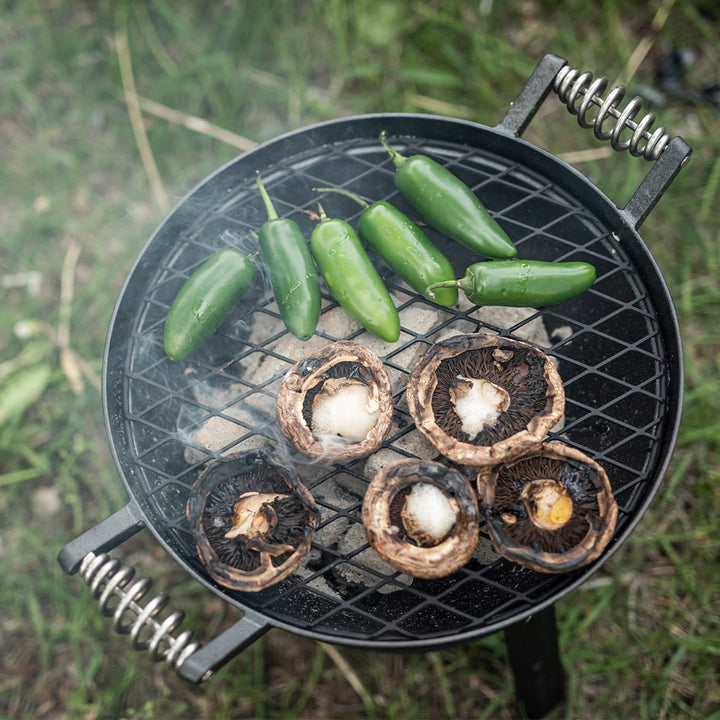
column 535, row 660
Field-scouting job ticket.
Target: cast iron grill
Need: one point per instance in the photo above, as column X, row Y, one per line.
column 615, row 385
column 617, row 348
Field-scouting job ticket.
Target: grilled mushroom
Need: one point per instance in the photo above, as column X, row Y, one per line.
column 336, row 403
column 421, row 517
column 551, row 510
column 482, row 398
column 252, row 520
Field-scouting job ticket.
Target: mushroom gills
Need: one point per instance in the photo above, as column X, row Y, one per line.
column 252, row 520
column 481, row 398
column 427, row 515
column 544, row 502
column 345, row 408
column 552, row 509
column 478, row 403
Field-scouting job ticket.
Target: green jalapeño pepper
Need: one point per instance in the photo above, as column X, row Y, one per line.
column 522, row 283
column 404, row 247
column 205, row 299
column 352, row 278
column 292, row 272
column 448, row 204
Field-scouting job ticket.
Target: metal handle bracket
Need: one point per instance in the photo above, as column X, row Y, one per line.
column 583, row 96
column 673, row 159
column 200, row 665
column 106, row 535
column 528, row 101
column 133, row 614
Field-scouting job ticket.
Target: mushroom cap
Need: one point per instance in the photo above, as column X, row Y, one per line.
column 508, row 510
column 382, row 507
column 238, row 553
column 522, row 370
column 305, row 379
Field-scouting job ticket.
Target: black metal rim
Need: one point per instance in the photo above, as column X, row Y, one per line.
column 564, row 185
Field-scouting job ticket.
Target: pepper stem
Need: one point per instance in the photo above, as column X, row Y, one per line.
column 346, row 193
column 465, row 283
column 269, row 207
column 445, row 283
column 321, row 212
column 395, row 156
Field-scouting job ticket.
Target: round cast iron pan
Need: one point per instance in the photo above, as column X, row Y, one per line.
column 617, row 346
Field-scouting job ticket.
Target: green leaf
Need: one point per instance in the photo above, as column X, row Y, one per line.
column 22, row 390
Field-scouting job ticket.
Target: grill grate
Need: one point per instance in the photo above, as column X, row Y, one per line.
column 608, row 344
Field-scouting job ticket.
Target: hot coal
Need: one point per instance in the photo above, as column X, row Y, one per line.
column 234, row 409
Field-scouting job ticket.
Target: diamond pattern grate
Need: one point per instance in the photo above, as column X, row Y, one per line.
column 166, row 419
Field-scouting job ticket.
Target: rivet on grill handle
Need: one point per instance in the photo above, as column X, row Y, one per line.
column 108, row 579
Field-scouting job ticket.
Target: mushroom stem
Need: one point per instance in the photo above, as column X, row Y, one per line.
column 345, row 408
column 478, row 403
column 428, row 515
column 252, row 515
column 548, row 503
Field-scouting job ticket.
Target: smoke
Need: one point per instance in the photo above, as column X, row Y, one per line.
column 234, row 410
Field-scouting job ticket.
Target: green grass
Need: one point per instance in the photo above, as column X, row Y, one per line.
column 639, row 640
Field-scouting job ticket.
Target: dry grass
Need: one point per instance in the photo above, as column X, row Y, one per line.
column 109, row 117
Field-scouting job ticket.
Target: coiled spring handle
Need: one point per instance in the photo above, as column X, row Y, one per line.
column 581, row 93
column 108, row 581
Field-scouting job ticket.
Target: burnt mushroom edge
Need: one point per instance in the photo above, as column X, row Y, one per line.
column 382, row 506
column 304, row 381
column 514, row 366
column 288, row 516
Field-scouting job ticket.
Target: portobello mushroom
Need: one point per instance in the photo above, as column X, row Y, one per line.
column 551, row 510
column 336, row 403
column 421, row 517
column 252, row 520
column 482, row 398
